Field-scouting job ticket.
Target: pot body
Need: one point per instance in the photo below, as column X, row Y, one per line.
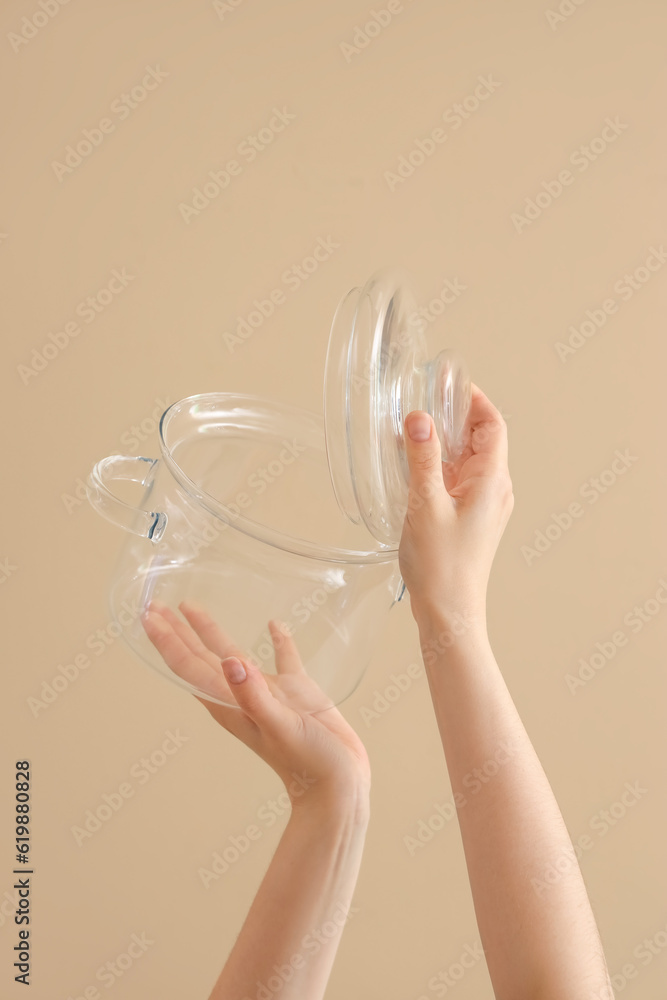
column 238, row 514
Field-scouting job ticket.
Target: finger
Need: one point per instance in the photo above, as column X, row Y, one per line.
column 424, row 456
column 187, row 634
column 487, row 426
column 181, row 659
column 197, row 672
column 288, row 660
column 211, row 634
column 253, row 696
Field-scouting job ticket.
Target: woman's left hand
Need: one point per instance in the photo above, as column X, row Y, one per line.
column 266, row 711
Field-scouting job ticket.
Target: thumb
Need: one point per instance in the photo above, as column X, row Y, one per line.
column 253, row 695
column 424, row 454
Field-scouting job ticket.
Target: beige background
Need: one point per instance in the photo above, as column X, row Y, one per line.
column 162, row 339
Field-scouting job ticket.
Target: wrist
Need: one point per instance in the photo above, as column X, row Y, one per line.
column 441, row 630
column 442, row 626
column 335, row 802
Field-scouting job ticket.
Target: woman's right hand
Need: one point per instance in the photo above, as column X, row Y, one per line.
column 457, row 513
column 265, row 711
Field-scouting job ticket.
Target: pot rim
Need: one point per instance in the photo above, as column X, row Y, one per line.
column 256, row 529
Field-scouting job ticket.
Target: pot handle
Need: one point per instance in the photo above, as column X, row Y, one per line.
column 146, row 524
column 400, row 590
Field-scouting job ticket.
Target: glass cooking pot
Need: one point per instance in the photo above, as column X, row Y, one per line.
column 239, row 514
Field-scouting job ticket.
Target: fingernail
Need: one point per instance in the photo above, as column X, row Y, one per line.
column 234, row 670
column 419, row 427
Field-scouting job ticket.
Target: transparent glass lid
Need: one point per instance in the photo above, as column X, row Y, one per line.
column 378, row 371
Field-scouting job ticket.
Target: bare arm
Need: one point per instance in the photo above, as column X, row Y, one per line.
column 540, row 938
column 538, row 932
column 289, row 939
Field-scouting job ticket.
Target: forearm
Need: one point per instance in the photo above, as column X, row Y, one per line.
column 294, row 926
column 540, row 937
